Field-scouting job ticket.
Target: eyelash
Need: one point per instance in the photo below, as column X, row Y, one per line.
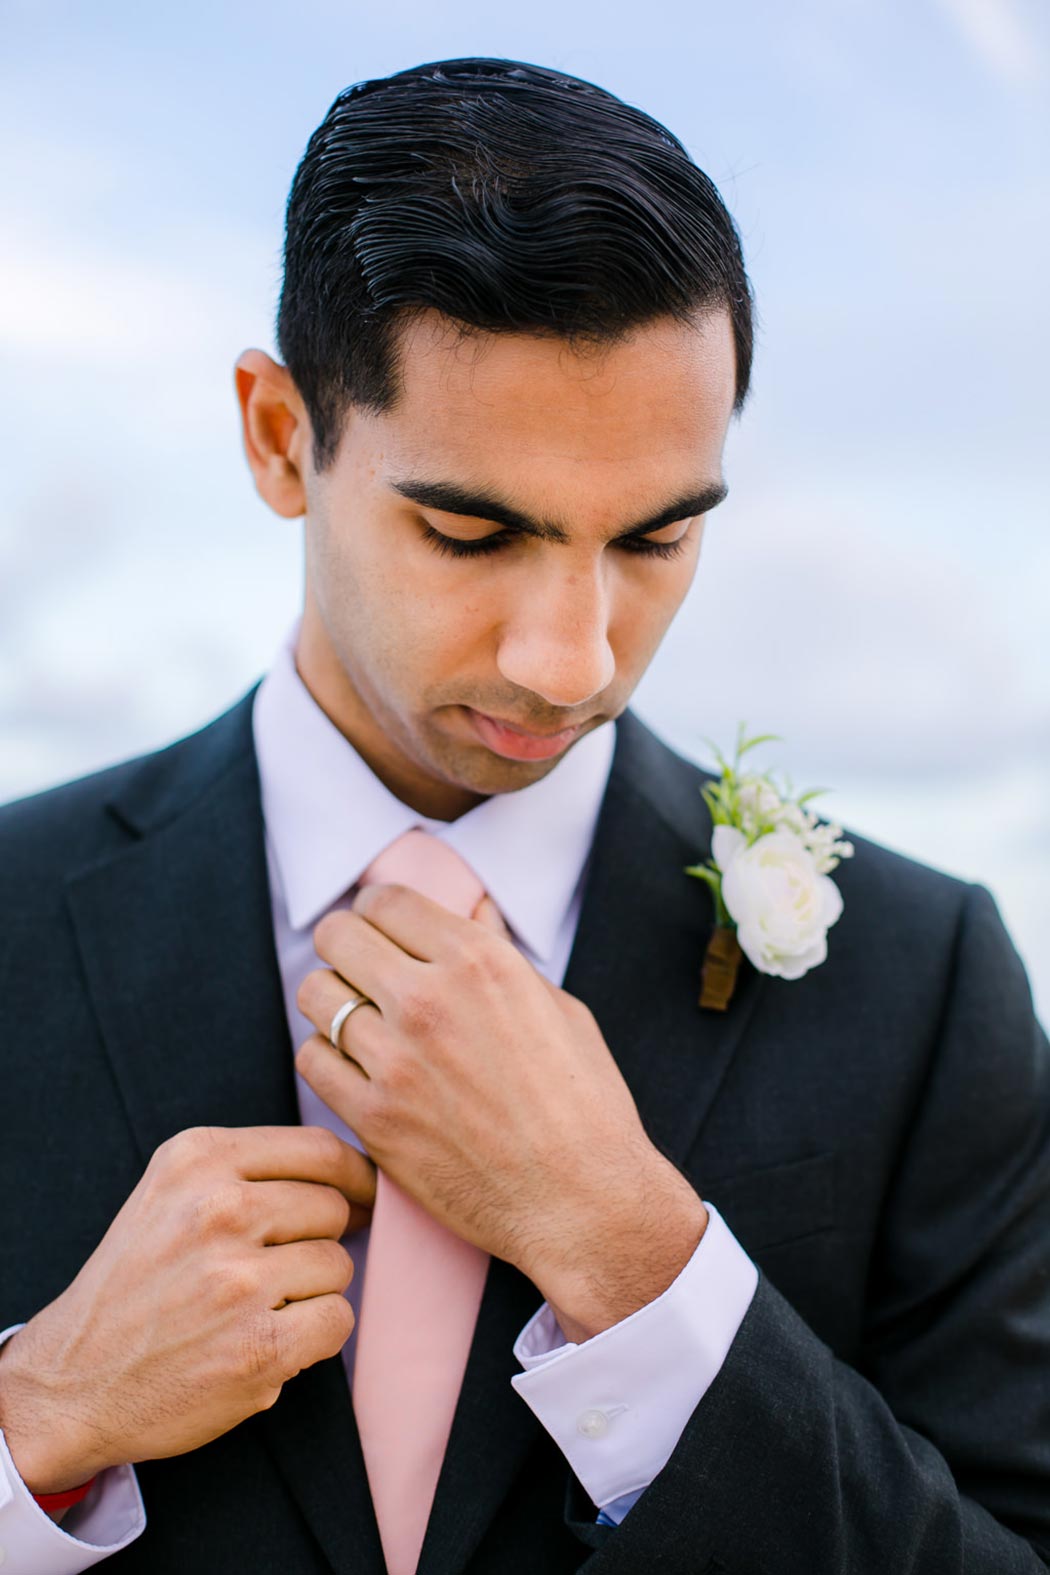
column 451, row 548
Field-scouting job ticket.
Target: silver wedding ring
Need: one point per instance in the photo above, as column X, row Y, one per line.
column 341, row 1016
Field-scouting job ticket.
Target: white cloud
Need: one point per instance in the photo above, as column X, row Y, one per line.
column 109, row 306
column 1000, row 35
column 104, row 304
column 870, row 649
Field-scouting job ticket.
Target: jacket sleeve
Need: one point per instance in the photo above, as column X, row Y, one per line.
column 931, row 1455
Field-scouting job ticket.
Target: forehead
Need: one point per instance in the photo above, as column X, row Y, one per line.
column 662, row 396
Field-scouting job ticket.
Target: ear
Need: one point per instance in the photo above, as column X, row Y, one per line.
column 276, row 431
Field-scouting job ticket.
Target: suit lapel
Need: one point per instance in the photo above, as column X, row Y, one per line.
column 177, row 947
column 643, row 928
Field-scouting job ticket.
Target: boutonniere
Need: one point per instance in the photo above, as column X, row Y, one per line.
column 768, row 874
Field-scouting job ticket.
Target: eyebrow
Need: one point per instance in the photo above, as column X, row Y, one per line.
column 482, row 504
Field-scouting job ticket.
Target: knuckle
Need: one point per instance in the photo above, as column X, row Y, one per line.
column 343, row 1264
column 328, row 930
column 230, row 1284
column 261, row 1350
column 186, row 1149
column 203, row 1141
column 378, row 898
column 165, row 1155
column 327, row 1147
column 478, row 962
column 160, row 1170
column 307, row 992
column 396, row 1081
column 220, row 1211
column 341, row 1212
column 338, row 1322
column 338, row 1266
column 579, row 1009
column 309, row 1058
column 331, row 1325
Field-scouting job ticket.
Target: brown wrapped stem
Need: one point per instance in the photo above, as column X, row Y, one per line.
column 721, row 965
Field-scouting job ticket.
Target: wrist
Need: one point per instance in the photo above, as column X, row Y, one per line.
column 626, row 1258
column 50, row 1451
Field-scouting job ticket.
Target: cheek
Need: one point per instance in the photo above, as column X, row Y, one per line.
column 644, row 605
column 429, row 631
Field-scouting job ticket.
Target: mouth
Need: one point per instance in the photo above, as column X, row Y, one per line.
column 519, row 743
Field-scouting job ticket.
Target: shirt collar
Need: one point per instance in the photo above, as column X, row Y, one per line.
column 328, row 815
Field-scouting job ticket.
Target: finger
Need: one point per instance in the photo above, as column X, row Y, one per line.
column 310, row 1330
column 298, row 1211
column 338, row 1080
column 273, row 1153
column 422, row 928
column 306, row 1268
column 321, row 995
column 369, row 961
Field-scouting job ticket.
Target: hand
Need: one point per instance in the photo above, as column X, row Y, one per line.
column 490, row 1096
column 220, row 1278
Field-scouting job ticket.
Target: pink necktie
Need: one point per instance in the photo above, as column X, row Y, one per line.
column 422, row 1289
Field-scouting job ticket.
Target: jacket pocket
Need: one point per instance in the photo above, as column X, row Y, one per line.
column 777, row 1203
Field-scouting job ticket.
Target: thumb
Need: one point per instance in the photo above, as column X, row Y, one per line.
column 488, row 914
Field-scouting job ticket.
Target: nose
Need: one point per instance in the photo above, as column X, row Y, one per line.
column 556, row 643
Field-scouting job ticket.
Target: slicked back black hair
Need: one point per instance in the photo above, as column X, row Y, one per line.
column 511, row 198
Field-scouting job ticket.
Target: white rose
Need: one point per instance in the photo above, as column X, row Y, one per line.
column 782, row 905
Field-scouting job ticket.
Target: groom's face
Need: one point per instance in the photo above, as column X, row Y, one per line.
column 467, row 554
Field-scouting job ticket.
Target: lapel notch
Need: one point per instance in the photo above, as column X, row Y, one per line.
column 643, row 931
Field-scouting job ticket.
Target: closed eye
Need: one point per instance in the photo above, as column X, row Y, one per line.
column 453, row 547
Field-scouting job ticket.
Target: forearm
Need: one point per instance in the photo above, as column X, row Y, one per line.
column 623, row 1259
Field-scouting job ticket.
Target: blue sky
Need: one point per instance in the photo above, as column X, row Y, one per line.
column 874, row 588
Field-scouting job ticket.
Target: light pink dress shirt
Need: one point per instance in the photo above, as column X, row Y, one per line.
column 615, row 1405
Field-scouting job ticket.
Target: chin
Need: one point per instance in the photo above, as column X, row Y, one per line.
column 477, row 770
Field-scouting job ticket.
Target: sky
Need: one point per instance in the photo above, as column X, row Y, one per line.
column 874, row 588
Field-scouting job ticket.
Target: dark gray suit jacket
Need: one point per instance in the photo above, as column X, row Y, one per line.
column 877, row 1134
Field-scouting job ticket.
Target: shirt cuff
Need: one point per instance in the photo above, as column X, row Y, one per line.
column 106, row 1520
column 617, row 1405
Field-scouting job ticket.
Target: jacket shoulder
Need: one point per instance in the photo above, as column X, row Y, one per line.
column 47, row 835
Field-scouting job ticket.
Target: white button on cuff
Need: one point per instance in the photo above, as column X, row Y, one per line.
column 592, row 1424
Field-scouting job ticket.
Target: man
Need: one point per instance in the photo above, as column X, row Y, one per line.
column 645, row 1286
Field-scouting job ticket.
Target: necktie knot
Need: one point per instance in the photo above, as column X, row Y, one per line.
column 419, row 859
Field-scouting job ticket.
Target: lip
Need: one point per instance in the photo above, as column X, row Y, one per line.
column 515, row 743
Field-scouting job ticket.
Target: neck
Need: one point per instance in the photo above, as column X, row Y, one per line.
column 331, row 689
